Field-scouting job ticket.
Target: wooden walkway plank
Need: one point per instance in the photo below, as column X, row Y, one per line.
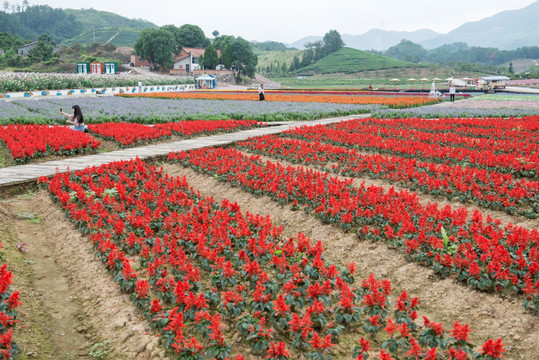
column 20, row 174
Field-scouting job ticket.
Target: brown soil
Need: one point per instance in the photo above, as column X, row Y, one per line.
column 442, row 300
column 69, row 303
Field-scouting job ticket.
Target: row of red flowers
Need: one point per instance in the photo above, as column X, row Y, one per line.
column 489, row 128
column 9, row 302
column 26, row 142
column 524, row 145
column 132, row 134
column 211, row 276
column 486, row 188
column 513, row 163
column 478, row 251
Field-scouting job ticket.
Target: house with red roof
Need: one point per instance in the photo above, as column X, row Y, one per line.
column 187, row 59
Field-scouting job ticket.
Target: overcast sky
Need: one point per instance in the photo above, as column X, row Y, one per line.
column 291, row 20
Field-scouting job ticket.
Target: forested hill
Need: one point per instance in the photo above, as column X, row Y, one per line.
column 70, row 26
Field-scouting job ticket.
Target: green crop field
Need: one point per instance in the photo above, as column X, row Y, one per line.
column 348, row 60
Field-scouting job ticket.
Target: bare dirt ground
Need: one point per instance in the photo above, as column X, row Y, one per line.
column 69, row 303
column 442, row 300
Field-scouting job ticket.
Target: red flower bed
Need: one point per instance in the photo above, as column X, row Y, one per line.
column 129, row 134
column 132, row 134
column 486, row 188
column 29, row 141
column 196, row 127
column 203, row 265
column 521, row 159
column 478, row 251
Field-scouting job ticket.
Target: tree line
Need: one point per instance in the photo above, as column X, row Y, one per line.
column 459, row 52
column 316, row 50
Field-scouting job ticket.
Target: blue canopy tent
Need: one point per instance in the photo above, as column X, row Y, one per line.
column 205, row 82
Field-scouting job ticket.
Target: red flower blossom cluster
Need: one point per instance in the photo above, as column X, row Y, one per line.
column 476, row 250
column 203, row 267
column 30, row 141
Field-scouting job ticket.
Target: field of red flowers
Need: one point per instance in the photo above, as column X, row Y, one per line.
column 216, row 276
column 213, row 280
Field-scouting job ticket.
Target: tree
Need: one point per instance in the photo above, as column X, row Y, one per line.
column 511, row 70
column 156, row 46
column 295, row 64
column 175, row 31
column 308, row 57
column 6, row 6
column 43, row 49
column 332, row 42
column 211, row 58
column 215, row 33
column 226, row 56
column 243, row 57
column 192, row 36
column 220, row 42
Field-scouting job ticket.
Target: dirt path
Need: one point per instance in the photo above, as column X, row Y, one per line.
column 71, row 302
column 444, row 300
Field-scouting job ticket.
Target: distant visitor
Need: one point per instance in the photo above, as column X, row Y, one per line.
column 261, row 92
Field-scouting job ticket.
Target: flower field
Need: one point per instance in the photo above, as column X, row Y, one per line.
column 150, row 111
column 14, row 82
column 213, row 280
column 390, row 101
column 482, row 106
column 133, row 134
column 26, row 142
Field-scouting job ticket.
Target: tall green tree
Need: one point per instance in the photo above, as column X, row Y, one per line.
column 332, row 42
column 226, row 56
column 192, row 36
column 220, row 42
column 243, row 57
column 175, row 31
column 43, row 49
column 211, row 58
column 215, row 33
column 157, row 46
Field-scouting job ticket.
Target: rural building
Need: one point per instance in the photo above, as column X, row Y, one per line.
column 97, row 68
column 187, row 59
column 83, row 68
column 138, row 61
column 25, row 49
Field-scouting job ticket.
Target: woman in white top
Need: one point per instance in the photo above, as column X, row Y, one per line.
column 77, row 120
column 261, row 92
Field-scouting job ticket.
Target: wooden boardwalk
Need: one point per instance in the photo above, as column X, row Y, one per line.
column 29, row 173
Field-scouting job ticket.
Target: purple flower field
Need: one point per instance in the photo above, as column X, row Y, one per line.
column 143, row 110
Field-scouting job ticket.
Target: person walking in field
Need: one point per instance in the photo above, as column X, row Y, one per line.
column 77, row 120
column 261, row 92
column 452, row 92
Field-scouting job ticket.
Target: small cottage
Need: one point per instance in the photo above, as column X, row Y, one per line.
column 97, row 68
column 187, row 59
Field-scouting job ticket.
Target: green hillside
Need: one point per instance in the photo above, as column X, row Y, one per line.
column 266, row 58
column 102, row 20
column 348, row 60
column 119, row 36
